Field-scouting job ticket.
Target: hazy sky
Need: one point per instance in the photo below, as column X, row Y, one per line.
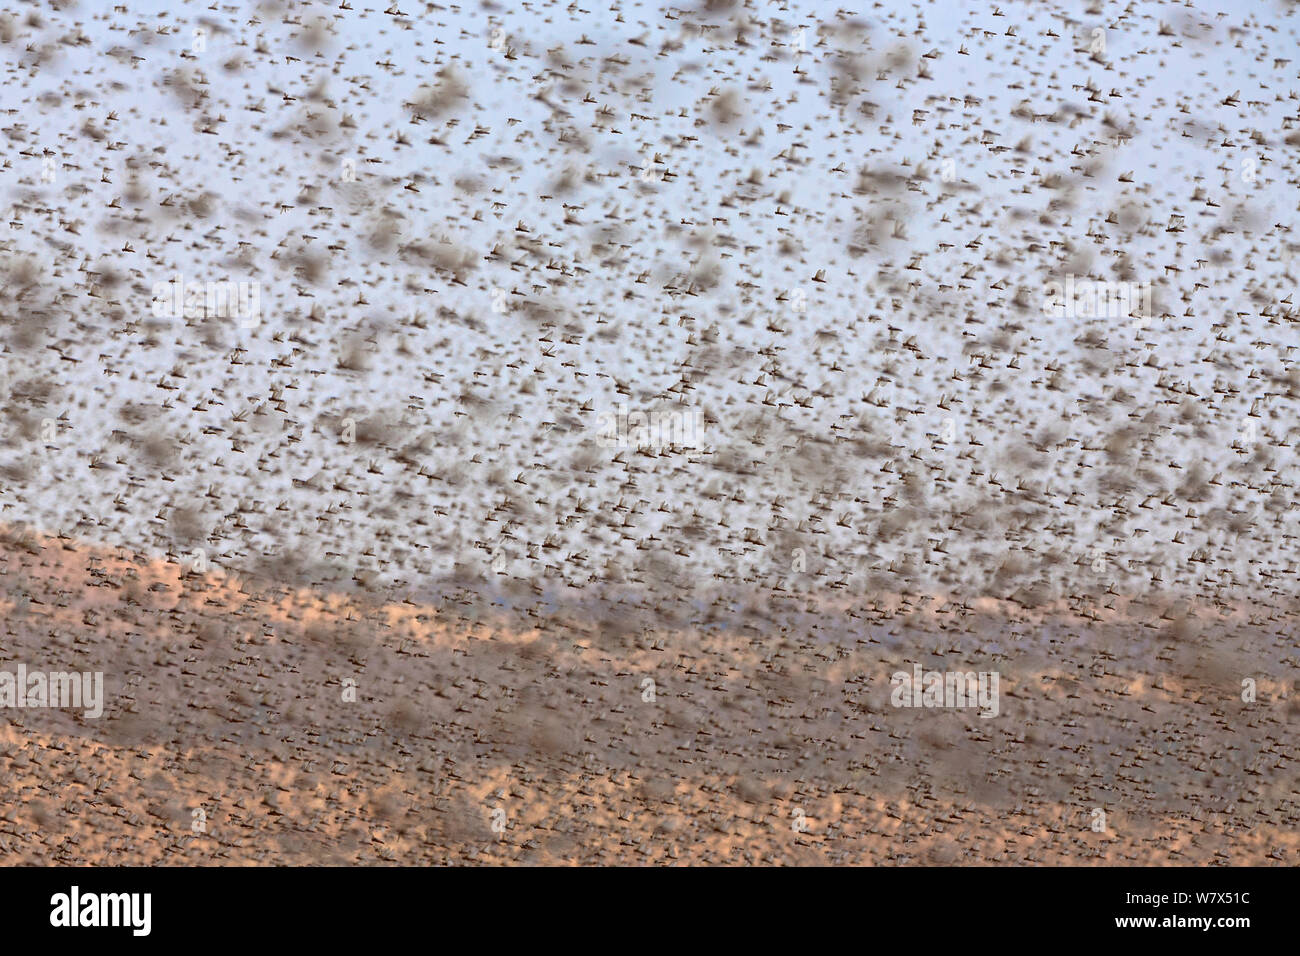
column 795, row 169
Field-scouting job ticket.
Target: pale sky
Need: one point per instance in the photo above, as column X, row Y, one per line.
column 778, row 181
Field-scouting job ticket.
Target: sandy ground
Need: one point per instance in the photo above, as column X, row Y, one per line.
column 250, row 724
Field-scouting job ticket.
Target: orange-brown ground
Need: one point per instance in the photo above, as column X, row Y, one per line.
column 228, row 697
